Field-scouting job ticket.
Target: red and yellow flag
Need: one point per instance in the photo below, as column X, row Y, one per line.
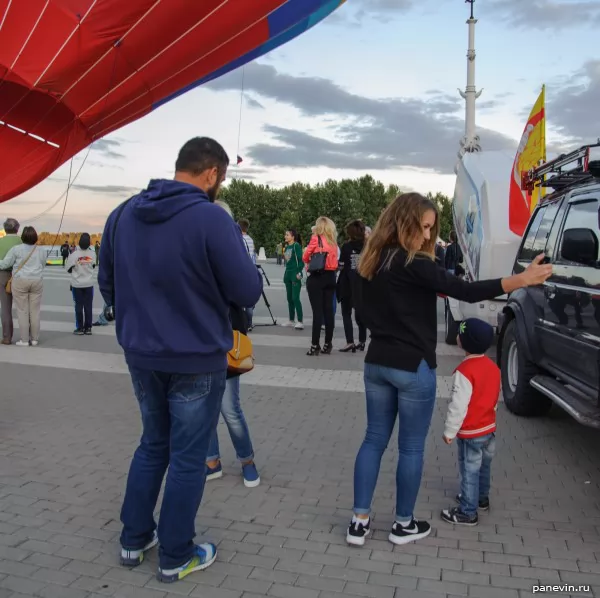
column 531, row 150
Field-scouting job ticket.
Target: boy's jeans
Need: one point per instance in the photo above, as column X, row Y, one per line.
column 474, row 462
column 179, row 417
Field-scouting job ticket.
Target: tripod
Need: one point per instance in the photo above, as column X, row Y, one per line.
column 260, row 269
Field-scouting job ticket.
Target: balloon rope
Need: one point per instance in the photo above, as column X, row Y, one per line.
column 63, row 212
column 240, row 119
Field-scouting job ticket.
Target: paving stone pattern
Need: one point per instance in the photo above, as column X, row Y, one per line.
column 66, row 439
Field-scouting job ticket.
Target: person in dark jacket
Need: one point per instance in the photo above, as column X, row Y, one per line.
column 454, row 255
column 440, row 254
column 171, row 265
column 349, row 255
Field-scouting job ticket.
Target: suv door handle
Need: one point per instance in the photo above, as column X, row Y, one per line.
column 550, row 290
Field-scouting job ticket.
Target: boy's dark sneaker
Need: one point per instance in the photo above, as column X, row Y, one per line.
column 358, row 532
column 87, row 331
column 78, row 331
column 415, row 530
column 457, row 517
column 484, row 503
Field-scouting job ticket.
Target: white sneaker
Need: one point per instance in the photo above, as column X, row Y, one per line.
column 22, row 344
column 299, row 326
column 289, row 324
column 35, row 343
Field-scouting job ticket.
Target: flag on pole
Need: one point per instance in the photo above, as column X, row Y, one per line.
column 531, row 151
column 239, row 160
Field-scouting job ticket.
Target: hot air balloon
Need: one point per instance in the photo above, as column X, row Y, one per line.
column 72, row 71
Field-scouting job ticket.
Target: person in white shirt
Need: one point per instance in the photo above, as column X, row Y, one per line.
column 80, row 265
column 27, row 262
column 245, row 225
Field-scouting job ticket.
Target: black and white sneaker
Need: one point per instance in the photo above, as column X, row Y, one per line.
column 457, row 517
column 358, row 531
column 484, row 503
column 415, row 530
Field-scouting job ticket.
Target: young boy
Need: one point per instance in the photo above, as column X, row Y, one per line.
column 472, row 420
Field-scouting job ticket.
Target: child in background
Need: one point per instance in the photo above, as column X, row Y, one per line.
column 472, row 419
column 80, row 264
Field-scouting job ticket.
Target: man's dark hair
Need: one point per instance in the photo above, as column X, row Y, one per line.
column 356, row 230
column 244, row 225
column 29, row 236
column 85, row 241
column 201, row 154
column 453, row 236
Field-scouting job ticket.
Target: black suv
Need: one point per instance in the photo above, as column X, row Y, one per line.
column 549, row 341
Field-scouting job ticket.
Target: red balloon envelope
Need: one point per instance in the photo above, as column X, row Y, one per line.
column 72, row 71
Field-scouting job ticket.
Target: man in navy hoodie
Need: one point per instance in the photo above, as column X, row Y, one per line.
column 171, row 264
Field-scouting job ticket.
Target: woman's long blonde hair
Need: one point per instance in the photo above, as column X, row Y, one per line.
column 326, row 227
column 398, row 227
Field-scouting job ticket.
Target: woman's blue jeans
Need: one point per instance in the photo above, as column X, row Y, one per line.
column 232, row 413
column 391, row 394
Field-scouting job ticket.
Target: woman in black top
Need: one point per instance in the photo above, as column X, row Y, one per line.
column 348, row 263
column 396, row 297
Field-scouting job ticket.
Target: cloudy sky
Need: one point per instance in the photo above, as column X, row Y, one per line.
column 373, row 89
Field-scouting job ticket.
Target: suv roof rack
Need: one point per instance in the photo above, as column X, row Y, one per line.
column 581, row 171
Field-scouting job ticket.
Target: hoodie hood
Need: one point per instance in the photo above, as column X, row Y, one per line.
column 164, row 199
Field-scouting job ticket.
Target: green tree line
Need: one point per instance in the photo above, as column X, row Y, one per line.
column 272, row 211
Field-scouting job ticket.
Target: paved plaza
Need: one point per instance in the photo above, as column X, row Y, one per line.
column 70, row 424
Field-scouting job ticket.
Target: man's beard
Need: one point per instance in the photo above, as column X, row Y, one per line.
column 212, row 193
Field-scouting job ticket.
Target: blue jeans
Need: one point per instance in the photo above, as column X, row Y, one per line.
column 392, row 393
column 179, row 416
column 236, row 424
column 474, row 463
column 78, row 323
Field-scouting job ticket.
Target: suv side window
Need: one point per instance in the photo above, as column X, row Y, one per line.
column 527, row 254
column 543, row 232
column 582, row 215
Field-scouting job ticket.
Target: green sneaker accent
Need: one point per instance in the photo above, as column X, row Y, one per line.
column 206, row 555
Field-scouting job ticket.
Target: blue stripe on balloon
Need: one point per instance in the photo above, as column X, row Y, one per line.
column 291, row 13
column 320, row 10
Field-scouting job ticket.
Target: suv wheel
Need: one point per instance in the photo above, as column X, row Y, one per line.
column 517, row 371
column 451, row 331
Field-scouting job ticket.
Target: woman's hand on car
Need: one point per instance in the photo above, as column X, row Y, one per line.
column 537, row 273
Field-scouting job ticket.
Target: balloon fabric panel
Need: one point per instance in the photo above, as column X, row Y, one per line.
column 73, row 71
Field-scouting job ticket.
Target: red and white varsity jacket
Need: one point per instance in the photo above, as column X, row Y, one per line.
column 472, row 410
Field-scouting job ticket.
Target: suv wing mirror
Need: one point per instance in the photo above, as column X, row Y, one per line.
column 580, row 245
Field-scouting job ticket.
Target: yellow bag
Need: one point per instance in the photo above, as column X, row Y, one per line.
column 241, row 358
column 8, row 286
